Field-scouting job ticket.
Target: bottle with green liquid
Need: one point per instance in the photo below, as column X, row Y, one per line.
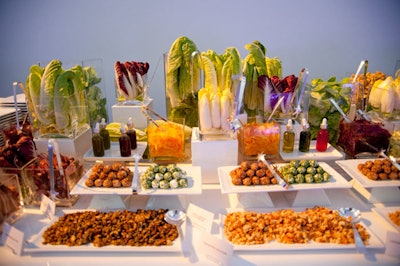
column 105, row 134
column 305, row 136
column 288, row 138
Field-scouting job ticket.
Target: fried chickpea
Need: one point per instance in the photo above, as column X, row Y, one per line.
column 97, row 167
column 98, row 182
column 254, row 166
column 102, row 175
column 116, row 183
column 376, row 168
column 116, row 167
column 236, row 181
column 269, row 174
column 107, row 169
column 383, row 176
column 111, row 175
column 126, row 182
column 265, row 181
column 365, row 171
column 255, row 180
column 93, row 176
column 368, row 164
column 372, row 176
column 247, row 181
column 245, row 165
column 89, row 182
column 121, row 174
column 386, row 169
column 260, row 173
column 393, row 175
column 107, row 183
column 250, row 173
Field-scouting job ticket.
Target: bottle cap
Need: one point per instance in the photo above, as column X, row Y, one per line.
column 103, row 122
column 324, row 123
column 130, row 123
column 123, row 130
column 304, row 124
column 96, row 128
column 289, row 124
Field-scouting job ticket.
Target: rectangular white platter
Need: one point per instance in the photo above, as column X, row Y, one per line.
column 384, row 212
column 194, row 185
column 374, row 241
column 350, row 166
column 35, row 245
column 336, row 181
column 113, row 154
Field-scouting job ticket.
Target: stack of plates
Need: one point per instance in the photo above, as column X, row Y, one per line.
column 9, row 102
column 8, row 112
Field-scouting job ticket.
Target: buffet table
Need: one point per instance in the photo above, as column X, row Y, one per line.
column 212, row 200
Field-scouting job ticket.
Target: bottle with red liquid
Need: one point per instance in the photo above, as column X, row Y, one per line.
column 323, row 136
column 131, row 134
column 124, row 143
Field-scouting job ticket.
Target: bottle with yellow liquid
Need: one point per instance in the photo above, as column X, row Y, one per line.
column 288, row 138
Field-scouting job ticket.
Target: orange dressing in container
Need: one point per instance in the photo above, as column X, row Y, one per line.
column 261, row 138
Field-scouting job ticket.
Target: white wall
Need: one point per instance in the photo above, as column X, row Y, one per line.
column 329, row 37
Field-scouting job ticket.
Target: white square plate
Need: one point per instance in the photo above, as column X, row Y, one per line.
column 35, row 245
column 384, row 212
column 194, row 185
column 350, row 166
column 374, row 241
column 336, row 181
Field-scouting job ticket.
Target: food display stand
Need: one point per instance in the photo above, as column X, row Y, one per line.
column 200, row 206
column 212, row 200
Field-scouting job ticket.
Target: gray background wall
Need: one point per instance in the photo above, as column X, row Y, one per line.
column 329, row 37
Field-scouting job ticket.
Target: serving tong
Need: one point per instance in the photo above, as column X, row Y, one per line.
column 146, row 109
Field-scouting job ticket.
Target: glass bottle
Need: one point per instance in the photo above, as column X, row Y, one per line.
column 124, row 143
column 323, row 136
column 305, row 136
column 105, row 134
column 288, row 138
column 97, row 142
column 131, row 134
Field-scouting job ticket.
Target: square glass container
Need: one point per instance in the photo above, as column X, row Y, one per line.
column 256, row 137
column 11, row 206
column 59, row 116
column 36, row 175
column 166, row 140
